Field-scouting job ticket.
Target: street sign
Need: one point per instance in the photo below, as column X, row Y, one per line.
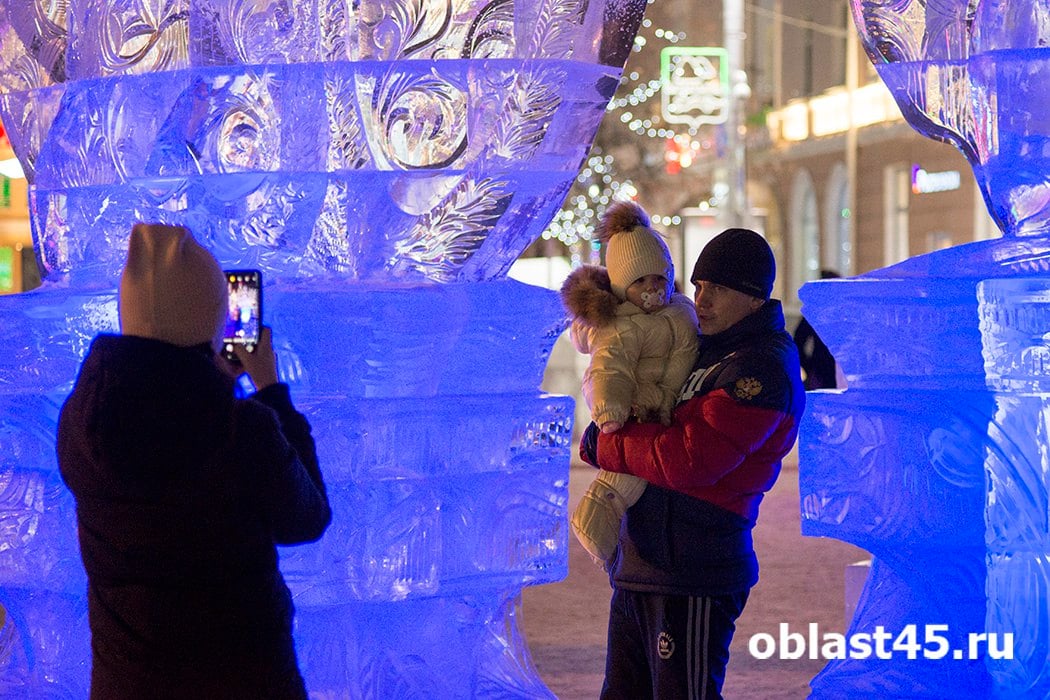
column 695, row 85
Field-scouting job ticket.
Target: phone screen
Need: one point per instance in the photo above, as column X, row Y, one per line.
column 244, row 314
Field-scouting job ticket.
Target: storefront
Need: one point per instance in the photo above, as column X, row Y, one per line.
column 18, row 270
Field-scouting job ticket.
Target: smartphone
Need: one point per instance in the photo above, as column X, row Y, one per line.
column 244, row 312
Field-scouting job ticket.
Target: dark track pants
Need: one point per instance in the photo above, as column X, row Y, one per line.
column 669, row 647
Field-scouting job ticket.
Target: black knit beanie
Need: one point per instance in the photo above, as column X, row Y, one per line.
column 740, row 259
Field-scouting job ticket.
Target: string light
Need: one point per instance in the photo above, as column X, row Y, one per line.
column 645, row 91
column 596, row 187
column 597, row 184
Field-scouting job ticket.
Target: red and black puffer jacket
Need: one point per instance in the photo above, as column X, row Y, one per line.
column 737, row 417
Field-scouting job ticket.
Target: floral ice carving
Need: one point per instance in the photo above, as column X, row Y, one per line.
column 973, row 74
column 265, row 125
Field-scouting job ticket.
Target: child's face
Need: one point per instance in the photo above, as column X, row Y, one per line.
column 649, row 293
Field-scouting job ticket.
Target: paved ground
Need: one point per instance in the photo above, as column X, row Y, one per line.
column 802, row 582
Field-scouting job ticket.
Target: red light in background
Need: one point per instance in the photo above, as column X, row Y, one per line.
column 672, row 157
column 680, row 152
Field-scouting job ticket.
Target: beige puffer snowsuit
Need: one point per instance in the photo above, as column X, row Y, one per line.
column 639, row 362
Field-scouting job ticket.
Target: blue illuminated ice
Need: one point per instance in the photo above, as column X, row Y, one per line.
column 384, row 163
column 935, row 459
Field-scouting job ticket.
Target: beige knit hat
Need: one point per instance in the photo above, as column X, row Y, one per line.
column 633, row 249
column 172, row 289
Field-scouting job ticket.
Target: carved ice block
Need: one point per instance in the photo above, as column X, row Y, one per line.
column 944, row 354
column 384, row 163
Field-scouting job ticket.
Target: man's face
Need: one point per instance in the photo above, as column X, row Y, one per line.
column 720, row 307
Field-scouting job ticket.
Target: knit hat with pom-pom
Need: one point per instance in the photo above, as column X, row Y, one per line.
column 172, row 289
column 632, row 249
column 740, row 259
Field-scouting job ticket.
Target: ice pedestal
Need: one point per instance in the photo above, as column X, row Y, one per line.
column 44, row 640
column 934, row 460
column 895, row 465
column 1015, row 320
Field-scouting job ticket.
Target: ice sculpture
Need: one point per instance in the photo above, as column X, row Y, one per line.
column 936, row 457
column 384, row 163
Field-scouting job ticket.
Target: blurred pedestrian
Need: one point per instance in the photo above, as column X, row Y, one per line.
column 819, row 370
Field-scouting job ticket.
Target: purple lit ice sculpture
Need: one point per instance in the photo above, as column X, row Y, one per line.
column 384, row 163
column 935, row 458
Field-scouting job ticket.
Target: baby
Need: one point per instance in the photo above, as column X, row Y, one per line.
column 642, row 339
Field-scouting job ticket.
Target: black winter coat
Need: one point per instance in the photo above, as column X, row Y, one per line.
column 182, row 493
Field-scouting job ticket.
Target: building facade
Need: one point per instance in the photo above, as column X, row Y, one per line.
column 839, row 180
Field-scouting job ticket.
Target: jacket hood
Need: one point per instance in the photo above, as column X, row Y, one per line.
column 587, row 295
column 148, row 408
column 172, row 288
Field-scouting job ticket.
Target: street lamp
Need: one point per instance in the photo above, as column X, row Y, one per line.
column 737, row 211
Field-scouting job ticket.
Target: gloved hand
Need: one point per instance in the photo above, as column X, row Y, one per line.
column 589, row 444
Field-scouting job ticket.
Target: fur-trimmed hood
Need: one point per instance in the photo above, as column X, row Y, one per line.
column 588, row 297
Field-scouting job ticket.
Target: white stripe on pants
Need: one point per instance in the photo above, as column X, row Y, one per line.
column 699, row 619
